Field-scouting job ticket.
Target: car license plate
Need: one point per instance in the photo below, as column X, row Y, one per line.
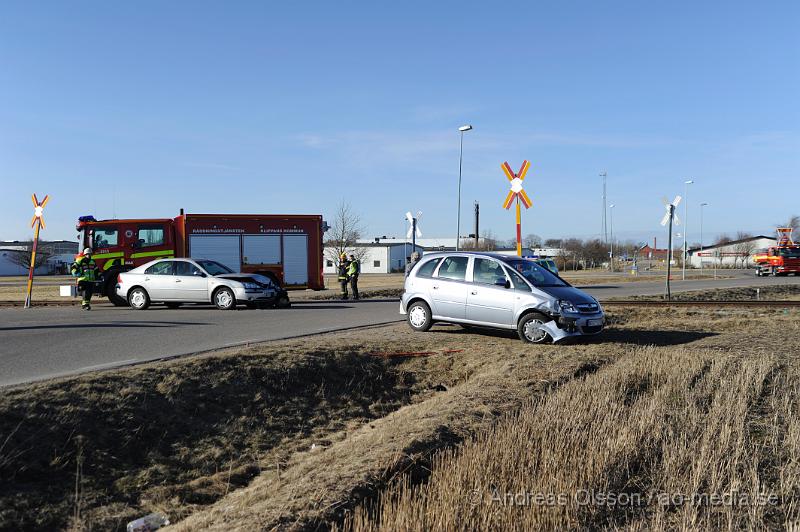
column 593, row 323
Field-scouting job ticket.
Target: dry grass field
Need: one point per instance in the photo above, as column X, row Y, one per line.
column 656, row 424
column 678, row 439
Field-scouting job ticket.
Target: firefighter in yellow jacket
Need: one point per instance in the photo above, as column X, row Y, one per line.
column 85, row 269
column 353, row 271
column 343, row 277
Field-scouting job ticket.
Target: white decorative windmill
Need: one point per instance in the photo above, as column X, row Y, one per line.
column 414, row 231
column 671, row 218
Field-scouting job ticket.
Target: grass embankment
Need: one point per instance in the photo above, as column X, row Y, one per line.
column 298, row 434
column 682, row 439
column 787, row 292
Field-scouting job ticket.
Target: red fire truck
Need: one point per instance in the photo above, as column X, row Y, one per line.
column 781, row 259
column 287, row 248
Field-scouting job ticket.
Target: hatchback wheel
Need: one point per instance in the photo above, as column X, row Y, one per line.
column 224, row 299
column 138, row 299
column 529, row 328
column 419, row 316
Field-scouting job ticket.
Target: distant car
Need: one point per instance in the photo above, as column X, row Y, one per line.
column 550, row 264
column 178, row 281
column 499, row 291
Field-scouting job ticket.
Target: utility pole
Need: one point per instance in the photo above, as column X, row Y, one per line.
column 685, row 226
column 477, row 224
column 611, row 254
column 604, row 229
column 700, row 253
column 669, row 247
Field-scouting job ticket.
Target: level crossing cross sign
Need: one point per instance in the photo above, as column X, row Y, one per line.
column 517, row 193
column 38, row 223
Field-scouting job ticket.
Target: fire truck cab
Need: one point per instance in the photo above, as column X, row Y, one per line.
column 778, row 261
column 286, row 248
column 781, row 259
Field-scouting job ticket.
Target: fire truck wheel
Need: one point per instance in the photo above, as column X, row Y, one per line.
column 138, row 299
column 111, row 293
column 224, row 299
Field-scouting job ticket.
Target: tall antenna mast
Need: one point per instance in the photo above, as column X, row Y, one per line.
column 604, row 228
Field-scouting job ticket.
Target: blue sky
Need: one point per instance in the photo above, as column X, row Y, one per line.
column 140, row 108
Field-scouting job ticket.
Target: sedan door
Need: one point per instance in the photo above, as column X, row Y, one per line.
column 449, row 288
column 490, row 300
column 159, row 280
column 191, row 283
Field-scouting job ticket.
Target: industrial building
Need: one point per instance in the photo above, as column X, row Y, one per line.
column 376, row 257
column 733, row 254
column 60, row 254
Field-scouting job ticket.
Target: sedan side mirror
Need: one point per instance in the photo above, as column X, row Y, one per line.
column 501, row 281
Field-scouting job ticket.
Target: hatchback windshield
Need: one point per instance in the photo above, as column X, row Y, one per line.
column 535, row 274
column 213, row 267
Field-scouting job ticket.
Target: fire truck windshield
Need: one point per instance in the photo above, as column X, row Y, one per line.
column 214, row 267
column 789, row 253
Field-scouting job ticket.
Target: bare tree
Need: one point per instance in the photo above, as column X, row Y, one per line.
column 793, row 222
column 573, row 248
column 744, row 248
column 723, row 239
column 22, row 257
column 532, row 240
column 343, row 235
column 552, row 242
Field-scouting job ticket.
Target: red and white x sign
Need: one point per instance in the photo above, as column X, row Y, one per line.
column 516, row 185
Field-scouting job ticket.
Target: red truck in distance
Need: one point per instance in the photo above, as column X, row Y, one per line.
column 781, row 259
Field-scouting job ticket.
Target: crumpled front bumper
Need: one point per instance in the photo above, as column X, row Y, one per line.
column 260, row 296
column 566, row 326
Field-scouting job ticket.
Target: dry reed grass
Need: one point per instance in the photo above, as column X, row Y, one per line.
column 645, row 443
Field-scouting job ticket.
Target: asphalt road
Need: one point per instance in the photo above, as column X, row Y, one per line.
column 45, row 342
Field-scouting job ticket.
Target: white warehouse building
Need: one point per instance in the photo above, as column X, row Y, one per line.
column 734, row 254
column 376, row 257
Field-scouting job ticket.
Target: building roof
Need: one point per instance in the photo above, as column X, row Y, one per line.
column 381, row 244
column 733, row 242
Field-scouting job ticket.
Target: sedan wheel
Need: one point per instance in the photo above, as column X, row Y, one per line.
column 224, row 299
column 138, row 299
column 419, row 316
column 530, row 330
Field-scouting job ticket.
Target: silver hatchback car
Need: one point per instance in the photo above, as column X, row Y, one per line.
column 500, row 291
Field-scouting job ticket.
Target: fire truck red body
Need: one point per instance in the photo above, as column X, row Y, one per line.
column 781, row 259
column 287, row 248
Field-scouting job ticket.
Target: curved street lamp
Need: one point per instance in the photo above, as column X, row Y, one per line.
column 463, row 129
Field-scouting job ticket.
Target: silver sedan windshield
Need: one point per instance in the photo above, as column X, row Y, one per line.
column 535, row 274
column 213, row 267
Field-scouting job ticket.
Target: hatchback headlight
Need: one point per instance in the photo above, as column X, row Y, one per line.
column 252, row 287
column 566, row 306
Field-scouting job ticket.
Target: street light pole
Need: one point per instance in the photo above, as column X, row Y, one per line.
column 685, row 225
column 700, row 253
column 603, row 228
column 611, row 227
column 462, row 129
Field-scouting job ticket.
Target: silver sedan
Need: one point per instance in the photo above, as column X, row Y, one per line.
column 177, row 281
